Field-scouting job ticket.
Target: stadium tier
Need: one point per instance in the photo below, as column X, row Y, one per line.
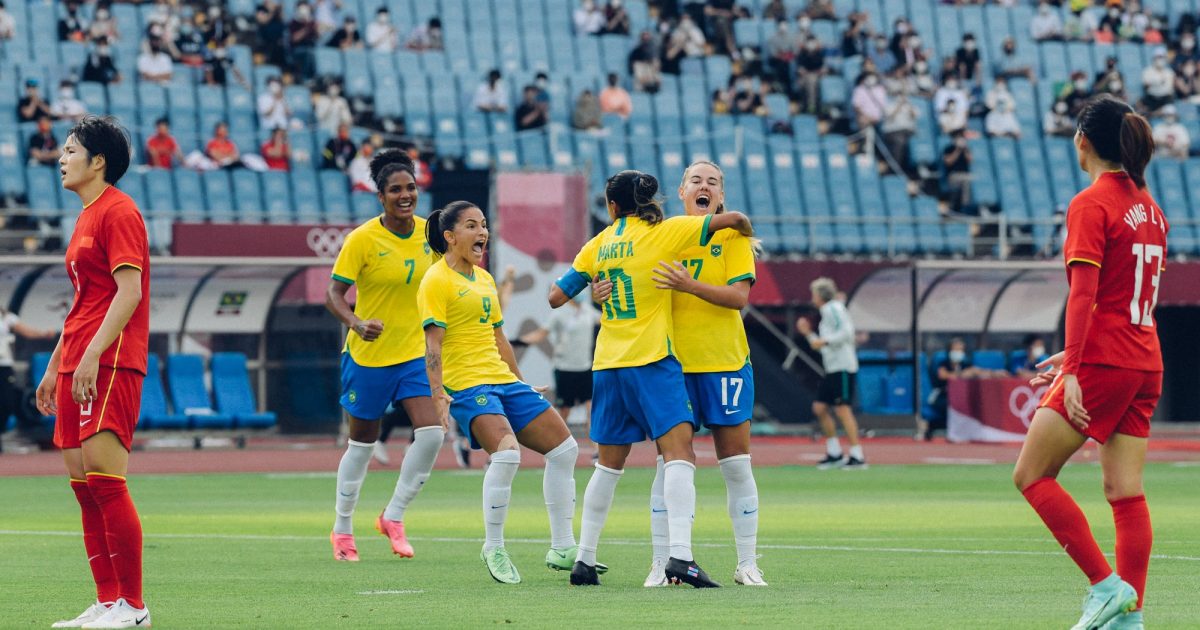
column 792, row 172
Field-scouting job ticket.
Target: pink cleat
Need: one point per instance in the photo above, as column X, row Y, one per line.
column 343, row 547
column 394, row 530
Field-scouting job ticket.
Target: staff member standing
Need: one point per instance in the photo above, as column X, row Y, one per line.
column 835, row 339
column 10, row 392
column 572, row 333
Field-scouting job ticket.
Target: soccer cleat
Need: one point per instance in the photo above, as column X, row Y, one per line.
column 462, row 453
column 831, row 462
column 93, row 612
column 1106, row 600
column 854, row 463
column 394, row 530
column 500, row 565
column 583, row 575
column 343, row 547
column 1128, row 621
column 121, row 615
column 379, row 452
column 658, row 576
column 749, row 575
column 681, row 572
column 564, row 560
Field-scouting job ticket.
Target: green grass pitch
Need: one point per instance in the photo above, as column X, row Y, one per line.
column 891, row 547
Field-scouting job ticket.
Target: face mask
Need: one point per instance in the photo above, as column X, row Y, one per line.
column 66, row 94
column 303, row 13
column 805, row 23
column 1037, row 351
column 616, row 4
column 1081, row 85
column 334, row 90
column 1044, row 10
column 902, row 29
column 1060, row 108
column 219, row 53
column 1115, row 86
column 1114, row 13
column 813, row 45
column 1187, row 43
column 871, row 81
column 101, row 15
column 1189, row 70
column 952, row 85
column 1160, row 62
column 968, row 45
column 957, row 356
column 382, row 18
column 540, row 83
column 276, row 88
column 921, row 67
column 782, row 26
column 881, row 44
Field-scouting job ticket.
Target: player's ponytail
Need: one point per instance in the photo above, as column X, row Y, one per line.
column 634, row 194
column 1137, row 145
column 1118, row 135
column 441, row 221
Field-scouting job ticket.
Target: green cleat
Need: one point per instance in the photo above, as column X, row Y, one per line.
column 1130, row 621
column 500, row 565
column 1108, row 599
column 564, row 560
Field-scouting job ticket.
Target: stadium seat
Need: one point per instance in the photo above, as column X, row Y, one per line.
column 306, row 195
column 154, row 412
column 235, row 397
column 247, row 196
column 989, row 360
column 277, row 198
column 185, row 381
column 218, row 195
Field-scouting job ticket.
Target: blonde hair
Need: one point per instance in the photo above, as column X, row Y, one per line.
column 755, row 243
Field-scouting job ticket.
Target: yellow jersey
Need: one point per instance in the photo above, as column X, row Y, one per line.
column 468, row 308
column 387, row 268
column 711, row 338
column 635, row 328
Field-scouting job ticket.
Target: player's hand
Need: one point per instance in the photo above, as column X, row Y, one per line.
column 510, row 274
column 601, row 290
column 1055, row 361
column 672, row 275
column 47, row 394
column 1073, row 401
column 83, row 380
column 803, row 326
column 541, row 389
column 1045, row 378
column 442, row 403
column 368, row 329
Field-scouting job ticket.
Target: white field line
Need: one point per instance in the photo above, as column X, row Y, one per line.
column 401, row 592
column 621, row 542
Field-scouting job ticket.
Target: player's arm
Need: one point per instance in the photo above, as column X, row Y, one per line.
column 433, row 369
column 47, row 390
column 29, row 332
column 728, row 221
column 534, row 337
column 335, row 301
column 674, row 276
column 126, row 300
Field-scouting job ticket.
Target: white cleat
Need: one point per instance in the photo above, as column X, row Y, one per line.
column 93, row 612
column 121, row 615
column 658, row 574
column 749, row 575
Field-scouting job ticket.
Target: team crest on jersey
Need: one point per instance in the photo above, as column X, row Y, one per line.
column 426, row 249
column 352, row 397
column 715, row 250
column 481, row 400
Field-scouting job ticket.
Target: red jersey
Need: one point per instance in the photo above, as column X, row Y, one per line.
column 162, row 149
column 110, row 233
column 1118, row 228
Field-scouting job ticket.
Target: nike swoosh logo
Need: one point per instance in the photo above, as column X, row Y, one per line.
column 657, row 511
column 382, row 254
column 463, row 292
column 139, row 621
column 84, row 423
column 559, row 554
column 730, row 412
column 497, row 507
column 346, row 494
column 748, row 512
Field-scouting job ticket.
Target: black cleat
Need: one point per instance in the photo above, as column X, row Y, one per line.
column 680, row 572
column 583, row 575
column 831, row 462
column 854, row 463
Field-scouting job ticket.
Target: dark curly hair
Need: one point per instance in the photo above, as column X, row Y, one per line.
column 387, row 162
column 634, row 193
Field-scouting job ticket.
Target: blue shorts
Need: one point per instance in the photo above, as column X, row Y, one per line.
column 367, row 391
column 722, row 399
column 518, row 402
column 629, row 404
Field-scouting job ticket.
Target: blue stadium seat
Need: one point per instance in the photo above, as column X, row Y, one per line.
column 218, row 195
column 989, row 359
column 335, row 197
column 306, row 195
column 12, row 168
column 364, row 206
column 44, row 184
column 190, row 195
column 185, row 381
column 160, row 193
column 247, row 195
column 277, row 201
column 235, row 397
column 154, row 412
column 152, row 103
column 328, row 61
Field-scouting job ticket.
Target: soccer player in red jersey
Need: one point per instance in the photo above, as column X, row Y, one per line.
column 1106, row 382
column 94, row 381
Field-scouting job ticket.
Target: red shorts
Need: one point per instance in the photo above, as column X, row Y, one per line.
column 116, row 408
column 1119, row 400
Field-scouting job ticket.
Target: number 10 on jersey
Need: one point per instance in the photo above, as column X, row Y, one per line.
column 621, row 304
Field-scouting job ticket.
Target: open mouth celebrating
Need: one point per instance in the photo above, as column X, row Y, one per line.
column 479, row 245
column 703, row 201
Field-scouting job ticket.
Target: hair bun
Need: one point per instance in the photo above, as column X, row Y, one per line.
column 645, row 187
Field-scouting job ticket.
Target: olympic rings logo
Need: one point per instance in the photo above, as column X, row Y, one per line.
column 326, row 242
column 1023, row 402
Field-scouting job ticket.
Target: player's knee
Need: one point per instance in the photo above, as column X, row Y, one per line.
column 1117, row 489
column 508, row 443
column 567, row 451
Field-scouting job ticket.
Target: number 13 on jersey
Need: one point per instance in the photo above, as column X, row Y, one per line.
column 1144, row 255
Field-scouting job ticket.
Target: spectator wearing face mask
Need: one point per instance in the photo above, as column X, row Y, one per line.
column 951, row 90
column 491, row 96
column 382, row 35
column 956, row 365
column 910, row 51
column 745, row 99
column 616, row 19
column 899, row 126
column 1113, row 18
column 1001, row 119
column 218, row 66
column 426, row 36
column 71, row 27
column 1008, row 65
column 155, row 64
column 103, row 26
column 273, row 110
column 810, row 67
column 1171, row 138
column 1187, row 86
column 956, row 159
column 900, row 32
column 588, row 18
column 1110, row 80
column 1076, row 93
column 43, row 146
column 1046, row 24
column 1186, row 50
column 303, row 35
column 1035, row 352
column 881, row 55
column 190, row 41
column 331, row 109
column 346, row 37
column 67, row 106
column 1058, row 122
column 966, row 58
column 99, row 66
column 781, row 51
column 856, row 37
column 644, row 64
column 870, row 101
column 1158, row 83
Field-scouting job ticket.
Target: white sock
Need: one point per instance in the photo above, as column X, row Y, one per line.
column 597, row 499
column 742, row 495
column 558, row 487
column 414, row 470
column 497, row 490
column 856, row 452
column 833, row 447
column 658, row 515
column 351, row 472
column 679, row 489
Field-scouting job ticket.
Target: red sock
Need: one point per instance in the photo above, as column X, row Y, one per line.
column 95, row 543
column 1070, row 527
column 124, row 531
column 1134, row 538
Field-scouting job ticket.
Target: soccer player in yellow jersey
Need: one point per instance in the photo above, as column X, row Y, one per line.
column 638, row 385
column 383, row 360
column 474, row 378
column 711, row 284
